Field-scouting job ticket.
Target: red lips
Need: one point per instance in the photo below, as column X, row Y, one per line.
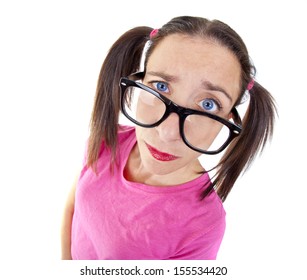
column 160, row 155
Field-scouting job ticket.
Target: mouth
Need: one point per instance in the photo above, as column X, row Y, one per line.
column 161, row 156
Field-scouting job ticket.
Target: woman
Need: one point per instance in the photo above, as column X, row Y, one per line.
column 142, row 192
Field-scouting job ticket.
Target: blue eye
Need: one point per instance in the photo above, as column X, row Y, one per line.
column 210, row 105
column 160, row 86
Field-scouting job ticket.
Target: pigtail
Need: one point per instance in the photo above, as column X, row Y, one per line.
column 123, row 59
column 258, row 125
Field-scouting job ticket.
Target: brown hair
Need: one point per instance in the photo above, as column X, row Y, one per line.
column 124, row 58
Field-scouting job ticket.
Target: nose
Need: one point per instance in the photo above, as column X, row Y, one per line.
column 169, row 129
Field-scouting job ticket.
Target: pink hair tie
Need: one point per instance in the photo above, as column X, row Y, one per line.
column 250, row 84
column 153, row 33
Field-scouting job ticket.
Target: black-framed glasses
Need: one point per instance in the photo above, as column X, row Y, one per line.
column 201, row 131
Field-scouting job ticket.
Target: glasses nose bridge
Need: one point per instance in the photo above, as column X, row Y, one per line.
column 175, row 108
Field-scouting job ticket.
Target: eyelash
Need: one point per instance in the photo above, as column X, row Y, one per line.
column 215, row 101
column 153, row 85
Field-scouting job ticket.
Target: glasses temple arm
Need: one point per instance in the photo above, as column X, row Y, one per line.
column 236, row 117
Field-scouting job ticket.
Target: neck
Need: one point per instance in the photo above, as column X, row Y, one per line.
column 135, row 171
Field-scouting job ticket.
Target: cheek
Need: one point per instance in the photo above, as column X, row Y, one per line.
column 149, row 109
column 201, row 132
column 140, row 133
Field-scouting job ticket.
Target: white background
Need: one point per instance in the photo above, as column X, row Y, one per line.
column 50, row 56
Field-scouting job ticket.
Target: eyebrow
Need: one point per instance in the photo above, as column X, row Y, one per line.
column 164, row 76
column 206, row 84
column 213, row 87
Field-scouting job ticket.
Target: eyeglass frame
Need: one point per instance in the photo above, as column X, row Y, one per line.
column 171, row 107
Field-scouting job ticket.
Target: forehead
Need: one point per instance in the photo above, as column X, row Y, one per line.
column 196, row 59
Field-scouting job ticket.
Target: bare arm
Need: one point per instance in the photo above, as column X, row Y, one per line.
column 66, row 223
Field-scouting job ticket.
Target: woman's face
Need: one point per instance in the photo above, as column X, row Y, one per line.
column 194, row 73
